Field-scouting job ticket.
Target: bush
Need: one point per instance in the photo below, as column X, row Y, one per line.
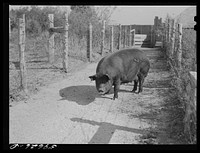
column 189, row 49
column 33, row 27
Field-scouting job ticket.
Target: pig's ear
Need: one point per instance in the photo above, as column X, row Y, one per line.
column 93, row 77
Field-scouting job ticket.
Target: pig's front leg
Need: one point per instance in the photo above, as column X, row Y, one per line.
column 116, row 88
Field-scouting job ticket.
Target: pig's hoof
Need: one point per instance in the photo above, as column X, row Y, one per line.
column 139, row 91
column 114, row 97
column 134, row 91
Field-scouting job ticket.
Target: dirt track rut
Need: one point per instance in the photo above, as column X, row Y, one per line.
column 71, row 111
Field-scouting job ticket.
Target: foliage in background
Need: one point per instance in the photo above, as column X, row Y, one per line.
column 79, row 18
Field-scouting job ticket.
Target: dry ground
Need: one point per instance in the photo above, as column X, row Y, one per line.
column 71, row 111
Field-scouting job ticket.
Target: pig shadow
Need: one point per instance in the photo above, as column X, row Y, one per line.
column 83, row 94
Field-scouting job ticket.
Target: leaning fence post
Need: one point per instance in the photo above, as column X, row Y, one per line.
column 22, row 36
column 173, row 37
column 111, row 38
column 51, row 39
column 179, row 50
column 103, row 36
column 119, row 37
column 89, row 47
column 65, row 44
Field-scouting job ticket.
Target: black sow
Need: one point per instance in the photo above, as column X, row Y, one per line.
column 120, row 67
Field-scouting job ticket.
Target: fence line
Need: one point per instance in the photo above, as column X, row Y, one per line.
column 187, row 79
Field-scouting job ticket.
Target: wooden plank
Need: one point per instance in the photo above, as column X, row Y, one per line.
column 142, row 42
column 141, row 39
column 140, row 36
column 56, row 29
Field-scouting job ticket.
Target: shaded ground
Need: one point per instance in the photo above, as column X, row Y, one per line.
column 71, row 111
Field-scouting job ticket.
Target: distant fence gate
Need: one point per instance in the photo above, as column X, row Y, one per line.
column 143, row 35
column 140, row 35
column 136, row 36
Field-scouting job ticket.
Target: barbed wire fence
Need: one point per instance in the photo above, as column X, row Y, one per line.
column 180, row 46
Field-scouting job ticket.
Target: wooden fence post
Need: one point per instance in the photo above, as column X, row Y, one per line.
column 119, row 38
column 133, row 37
column 130, row 36
column 155, row 28
column 124, row 41
column 65, row 44
column 169, row 38
column 164, row 35
column 173, row 37
column 102, row 36
column 179, row 50
column 151, row 36
column 89, row 49
column 168, row 31
column 9, row 28
column 51, row 39
column 22, row 36
column 111, row 39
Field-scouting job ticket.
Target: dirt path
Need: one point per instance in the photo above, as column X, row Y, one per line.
column 71, row 111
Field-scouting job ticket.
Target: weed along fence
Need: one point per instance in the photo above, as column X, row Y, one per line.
column 174, row 41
